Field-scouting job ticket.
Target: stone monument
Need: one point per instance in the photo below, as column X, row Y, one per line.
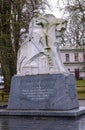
column 42, row 82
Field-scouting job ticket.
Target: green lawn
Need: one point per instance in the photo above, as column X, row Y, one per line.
column 3, row 98
column 80, row 82
column 81, row 88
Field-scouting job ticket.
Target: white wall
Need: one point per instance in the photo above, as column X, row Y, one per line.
column 72, row 64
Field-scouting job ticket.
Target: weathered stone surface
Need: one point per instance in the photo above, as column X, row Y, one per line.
column 43, row 92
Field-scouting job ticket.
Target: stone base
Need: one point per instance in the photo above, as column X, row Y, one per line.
column 43, row 92
column 43, row 113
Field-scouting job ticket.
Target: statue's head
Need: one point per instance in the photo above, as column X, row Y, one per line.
column 61, row 25
column 60, row 29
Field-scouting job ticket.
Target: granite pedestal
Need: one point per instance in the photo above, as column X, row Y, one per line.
column 43, row 92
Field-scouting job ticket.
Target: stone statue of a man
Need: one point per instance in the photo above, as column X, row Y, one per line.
column 40, row 53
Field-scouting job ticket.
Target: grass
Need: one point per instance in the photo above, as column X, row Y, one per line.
column 3, row 98
column 81, row 88
column 80, row 83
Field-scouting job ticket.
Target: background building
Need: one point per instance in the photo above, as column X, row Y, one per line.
column 74, row 60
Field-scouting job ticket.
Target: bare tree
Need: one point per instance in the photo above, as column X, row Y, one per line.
column 76, row 22
column 74, row 11
column 14, row 15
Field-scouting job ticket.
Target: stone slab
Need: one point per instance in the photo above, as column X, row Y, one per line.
column 43, row 92
column 43, row 113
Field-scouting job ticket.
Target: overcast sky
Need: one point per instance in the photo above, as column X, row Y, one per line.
column 55, row 8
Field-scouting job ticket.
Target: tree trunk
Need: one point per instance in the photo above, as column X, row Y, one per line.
column 7, row 56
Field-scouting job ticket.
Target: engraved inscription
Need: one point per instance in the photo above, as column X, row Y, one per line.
column 38, row 90
column 37, row 94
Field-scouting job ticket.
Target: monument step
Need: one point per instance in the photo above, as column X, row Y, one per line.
column 43, row 113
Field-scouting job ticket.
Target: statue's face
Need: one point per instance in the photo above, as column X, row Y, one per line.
column 60, row 29
column 61, row 26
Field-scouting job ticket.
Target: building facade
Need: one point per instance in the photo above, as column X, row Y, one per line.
column 74, row 60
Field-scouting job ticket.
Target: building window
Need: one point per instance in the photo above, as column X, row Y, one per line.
column 76, row 56
column 83, row 56
column 67, row 57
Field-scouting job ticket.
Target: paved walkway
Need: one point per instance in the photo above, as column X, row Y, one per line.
column 82, row 102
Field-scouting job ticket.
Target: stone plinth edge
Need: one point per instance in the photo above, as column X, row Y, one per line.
column 43, row 113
